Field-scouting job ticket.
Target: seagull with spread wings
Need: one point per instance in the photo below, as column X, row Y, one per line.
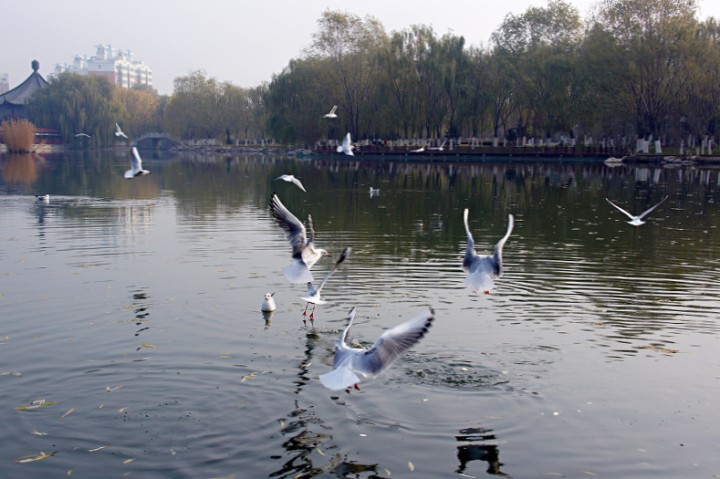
column 482, row 269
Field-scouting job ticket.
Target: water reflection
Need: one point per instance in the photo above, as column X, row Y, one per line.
column 478, row 449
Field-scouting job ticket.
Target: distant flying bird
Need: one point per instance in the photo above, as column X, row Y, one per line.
column 637, row 220
column 419, row 150
column 347, row 146
column 43, row 198
column 82, row 134
column 119, row 132
column 302, row 241
column 374, row 191
column 291, row 179
column 136, row 168
column 482, row 269
column 352, row 365
column 268, row 304
column 313, row 293
column 331, row 113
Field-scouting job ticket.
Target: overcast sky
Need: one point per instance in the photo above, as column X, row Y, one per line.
column 244, row 42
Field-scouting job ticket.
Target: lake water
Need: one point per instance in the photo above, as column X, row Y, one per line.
column 133, row 309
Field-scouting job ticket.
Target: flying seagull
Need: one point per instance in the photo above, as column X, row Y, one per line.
column 313, row 293
column 374, row 191
column 119, row 132
column 482, row 269
column 304, row 253
column 331, row 113
column 637, row 220
column 268, row 304
column 347, row 146
column 82, row 134
column 136, row 168
column 352, row 365
column 292, row 179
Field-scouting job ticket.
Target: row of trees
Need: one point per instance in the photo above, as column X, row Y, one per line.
column 632, row 68
column 646, row 68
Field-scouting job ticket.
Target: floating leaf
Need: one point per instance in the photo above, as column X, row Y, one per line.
column 36, row 404
column 145, row 346
column 38, row 433
column 11, row 373
column 101, row 406
column 69, row 472
column 128, row 461
column 38, row 457
column 100, row 448
column 387, row 472
column 67, row 413
column 122, row 410
column 111, row 389
column 251, row 375
column 411, row 466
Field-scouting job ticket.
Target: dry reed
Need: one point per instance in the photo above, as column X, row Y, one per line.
column 18, row 135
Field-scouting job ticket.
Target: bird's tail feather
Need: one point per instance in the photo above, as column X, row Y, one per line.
column 339, row 378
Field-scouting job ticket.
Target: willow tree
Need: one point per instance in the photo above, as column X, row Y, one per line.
column 193, row 109
column 655, row 37
column 351, row 45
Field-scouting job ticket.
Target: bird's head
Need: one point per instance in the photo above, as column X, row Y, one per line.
column 268, row 296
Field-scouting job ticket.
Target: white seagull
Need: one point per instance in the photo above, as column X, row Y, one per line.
column 331, row 113
column 374, row 191
column 82, row 134
column 419, row 150
column 136, row 168
column 313, row 294
column 268, row 304
column 347, row 146
column 637, row 220
column 352, row 365
column 119, row 132
column 438, row 148
column 292, row 179
column 43, row 198
column 482, row 269
column 304, row 253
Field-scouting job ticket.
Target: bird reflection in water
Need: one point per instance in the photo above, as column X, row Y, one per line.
column 477, row 449
column 140, row 307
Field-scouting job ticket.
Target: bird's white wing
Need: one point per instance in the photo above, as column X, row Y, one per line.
column 470, row 254
column 136, row 162
column 650, row 210
column 392, row 343
column 294, row 229
column 339, row 378
column 298, row 184
column 343, row 257
column 497, row 253
column 625, row 212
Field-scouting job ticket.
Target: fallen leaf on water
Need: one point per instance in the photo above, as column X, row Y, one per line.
column 411, row 466
column 11, row 373
column 38, row 457
column 36, row 404
column 111, row 389
column 128, row 461
column 67, row 413
column 590, row 473
column 69, row 472
column 38, row 433
column 282, row 424
column 100, row 448
column 145, row 346
column 101, row 406
column 387, row 472
column 122, row 410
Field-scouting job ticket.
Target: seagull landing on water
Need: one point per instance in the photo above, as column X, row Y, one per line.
column 292, row 179
column 313, row 293
column 352, row 365
column 347, row 146
column 136, row 168
column 304, row 253
column 331, row 113
column 119, row 132
column 482, row 269
column 637, row 220
column 268, row 304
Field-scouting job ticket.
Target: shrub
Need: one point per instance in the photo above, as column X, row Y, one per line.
column 18, row 135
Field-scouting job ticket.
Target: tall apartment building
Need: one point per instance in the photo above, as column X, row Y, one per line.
column 118, row 66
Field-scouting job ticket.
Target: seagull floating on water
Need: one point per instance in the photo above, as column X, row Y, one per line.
column 352, row 365
column 268, row 304
column 292, row 179
column 313, row 293
column 482, row 269
column 637, row 220
column 331, row 113
column 119, row 132
column 43, row 198
column 347, row 146
column 136, row 168
column 304, row 253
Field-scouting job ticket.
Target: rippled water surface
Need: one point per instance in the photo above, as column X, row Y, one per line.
column 132, row 309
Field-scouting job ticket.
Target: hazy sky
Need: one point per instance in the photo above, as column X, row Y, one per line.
column 241, row 41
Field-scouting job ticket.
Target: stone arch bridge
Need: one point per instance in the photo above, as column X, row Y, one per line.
column 156, row 141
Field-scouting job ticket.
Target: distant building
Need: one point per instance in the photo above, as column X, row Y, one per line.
column 4, row 82
column 117, row 66
column 12, row 102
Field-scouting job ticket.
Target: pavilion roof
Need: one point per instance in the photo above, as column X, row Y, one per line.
column 24, row 91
